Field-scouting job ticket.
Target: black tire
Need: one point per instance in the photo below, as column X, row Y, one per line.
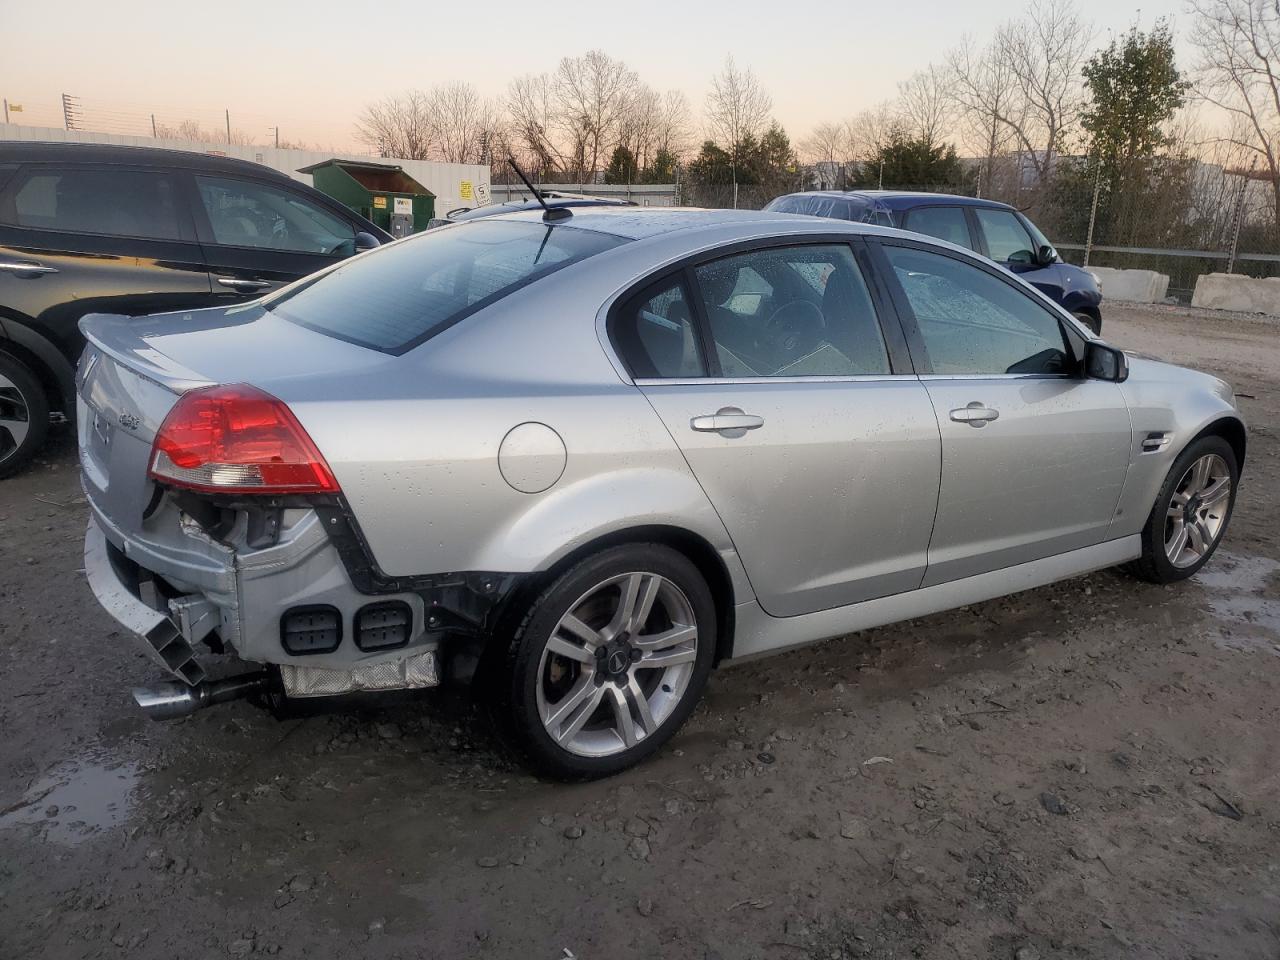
column 21, row 396
column 513, row 692
column 1154, row 565
column 1094, row 323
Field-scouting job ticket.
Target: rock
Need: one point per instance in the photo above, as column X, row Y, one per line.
column 377, row 925
column 636, row 828
column 573, row 832
column 546, row 820
column 638, row 848
column 735, row 745
column 486, row 862
column 1004, row 799
column 672, row 807
column 1053, row 804
column 1026, row 952
column 301, row 884
column 854, row 828
column 240, row 948
column 51, row 810
column 764, row 756
column 644, row 907
column 388, row 731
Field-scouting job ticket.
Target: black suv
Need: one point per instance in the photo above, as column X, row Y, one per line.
column 87, row 228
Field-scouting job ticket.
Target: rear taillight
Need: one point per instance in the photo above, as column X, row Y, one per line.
column 237, row 439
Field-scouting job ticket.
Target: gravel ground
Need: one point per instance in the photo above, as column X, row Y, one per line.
column 1085, row 770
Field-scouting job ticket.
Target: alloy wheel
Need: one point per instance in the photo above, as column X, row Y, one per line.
column 15, row 417
column 617, row 664
column 1197, row 511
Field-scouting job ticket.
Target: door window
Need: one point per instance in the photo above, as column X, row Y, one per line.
column 792, row 312
column 945, row 223
column 655, row 334
column 104, row 200
column 974, row 323
column 1007, row 239
column 243, row 213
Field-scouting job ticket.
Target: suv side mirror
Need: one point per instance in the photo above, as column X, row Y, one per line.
column 1046, row 255
column 366, row 241
column 1103, row 362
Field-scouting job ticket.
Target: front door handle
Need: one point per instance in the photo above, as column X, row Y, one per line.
column 244, row 286
column 26, row 270
column 975, row 414
column 727, row 421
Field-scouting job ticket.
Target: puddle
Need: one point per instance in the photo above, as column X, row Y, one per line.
column 1237, row 588
column 75, row 801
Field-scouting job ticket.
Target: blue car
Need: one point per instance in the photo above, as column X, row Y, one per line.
column 993, row 229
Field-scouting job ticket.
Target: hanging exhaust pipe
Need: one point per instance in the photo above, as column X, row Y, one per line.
column 169, row 700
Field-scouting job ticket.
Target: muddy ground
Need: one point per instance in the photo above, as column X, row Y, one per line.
column 1086, row 770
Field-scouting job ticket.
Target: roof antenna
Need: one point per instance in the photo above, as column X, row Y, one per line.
column 549, row 213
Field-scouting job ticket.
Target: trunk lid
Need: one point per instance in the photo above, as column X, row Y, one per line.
column 135, row 368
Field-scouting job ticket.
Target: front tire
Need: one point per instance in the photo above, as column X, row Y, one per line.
column 1093, row 322
column 24, row 415
column 1191, row 513
column 607, row 663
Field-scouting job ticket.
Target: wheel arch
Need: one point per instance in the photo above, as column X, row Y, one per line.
column 45, row 361
column 1230, row 429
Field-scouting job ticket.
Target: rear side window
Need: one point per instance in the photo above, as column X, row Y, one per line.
column 396, row 297
column 945, row 223
column 103, row 200
column 656, row 336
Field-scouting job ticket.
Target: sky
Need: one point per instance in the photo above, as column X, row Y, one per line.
column 310, row 67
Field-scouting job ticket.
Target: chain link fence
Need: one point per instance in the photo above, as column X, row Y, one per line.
column 1179, row 217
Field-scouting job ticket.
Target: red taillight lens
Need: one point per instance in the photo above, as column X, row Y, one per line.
column 237, row 439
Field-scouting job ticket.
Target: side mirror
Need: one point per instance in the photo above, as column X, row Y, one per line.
column 1103, row 362
column 366, row 241
column 1046, row 255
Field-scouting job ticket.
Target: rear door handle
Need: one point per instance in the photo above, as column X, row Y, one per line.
column 244, row 286
column 975, row 414
column 25, row 270
column 727, row 421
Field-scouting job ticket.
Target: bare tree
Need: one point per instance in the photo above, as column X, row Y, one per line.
column 1044, row 53
column 461, row 121
column 399, row 126
column 1238, row 42
column 926, row 105
column 737, row 107
column 989, row 108
column 673, row 130
column 531, row 108
column 828, row 148
column 592, row 94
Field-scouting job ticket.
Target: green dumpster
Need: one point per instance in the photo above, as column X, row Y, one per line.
column 380, row 192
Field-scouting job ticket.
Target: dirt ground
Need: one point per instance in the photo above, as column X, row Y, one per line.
column 1086, row 770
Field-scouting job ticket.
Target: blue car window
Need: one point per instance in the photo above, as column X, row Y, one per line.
column 945, row 223
column 1007, row 240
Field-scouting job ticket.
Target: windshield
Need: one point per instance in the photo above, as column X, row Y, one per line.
column 394, row 298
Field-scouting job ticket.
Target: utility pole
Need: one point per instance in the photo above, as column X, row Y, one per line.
column 1239, row 217
column 6, row 110
column 228, row 126
column 71, row 114
column 1093, row 213
column 153, row 126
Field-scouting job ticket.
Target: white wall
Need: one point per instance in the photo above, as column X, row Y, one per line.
column 442, row 179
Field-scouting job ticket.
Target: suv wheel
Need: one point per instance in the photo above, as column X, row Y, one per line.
column 1090, row 321
column 24, row 415
column 1191, row 513
column 608, row 662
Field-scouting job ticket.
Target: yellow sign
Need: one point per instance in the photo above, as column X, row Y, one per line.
column 464, row 191
column 380, row 202
column 15, row 108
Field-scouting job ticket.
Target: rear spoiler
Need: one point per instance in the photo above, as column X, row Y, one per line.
column 119, row 337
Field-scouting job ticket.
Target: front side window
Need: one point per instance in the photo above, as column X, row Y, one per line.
column 974, row 323
column 243, row 213
column 656, row 336
column 792, row 312
column 945, row 223
column 104, row 200
column 1007, row 239
column 397, row 296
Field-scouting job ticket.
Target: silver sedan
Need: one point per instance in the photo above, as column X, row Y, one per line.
column 578, row 459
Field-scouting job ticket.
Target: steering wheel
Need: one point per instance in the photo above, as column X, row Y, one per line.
column 796, row 327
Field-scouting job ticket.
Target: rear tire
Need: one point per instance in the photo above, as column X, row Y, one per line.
column 1191, row 513
column 592, row 684
column 1090, row 321
column 24, row 415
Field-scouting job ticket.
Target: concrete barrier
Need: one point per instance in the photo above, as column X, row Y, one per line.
column 1138, row 286
column 1232, row 291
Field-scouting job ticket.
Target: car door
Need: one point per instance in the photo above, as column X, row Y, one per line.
column 85, row 238
column 808, row 430
column 1033, row 455
column 258, row 235
column 1007, row 241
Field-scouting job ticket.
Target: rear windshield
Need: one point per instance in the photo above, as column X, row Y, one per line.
column 395, row 298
